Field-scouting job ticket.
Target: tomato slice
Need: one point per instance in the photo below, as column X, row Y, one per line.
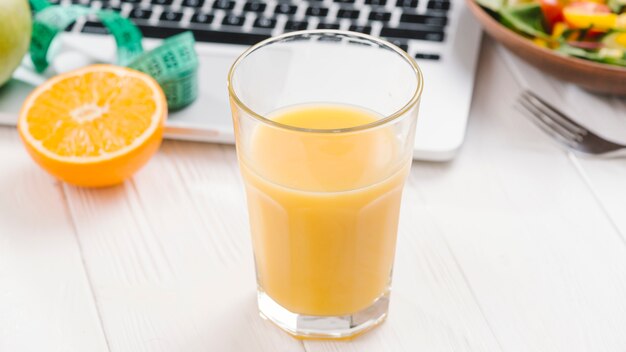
column 589, row 15
column 552, row 11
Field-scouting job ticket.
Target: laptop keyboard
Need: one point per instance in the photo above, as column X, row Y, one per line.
column 405, row 23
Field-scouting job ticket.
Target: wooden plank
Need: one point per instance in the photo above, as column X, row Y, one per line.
column 601, row 113
column 542, row 258
column 606, row 180
column 170, row 258
column 45, row 300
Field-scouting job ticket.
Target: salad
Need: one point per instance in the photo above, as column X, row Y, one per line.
column 589, row 29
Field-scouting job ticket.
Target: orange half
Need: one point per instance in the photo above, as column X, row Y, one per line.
column 95, row 126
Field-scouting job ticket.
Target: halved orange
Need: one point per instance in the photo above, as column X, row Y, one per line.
column 95, row 126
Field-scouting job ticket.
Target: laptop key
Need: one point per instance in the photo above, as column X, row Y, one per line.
column 430, row 35
column 162, row 2
column 436, row 13
column 351, row 14
column 171, row 16
column 323, row 25
column 193, row 3
column 438, row 21
column 254, row 7
column 233, row 20
column 140, row 14
column 438, row 5
column 361, row 29
column 202, row 18
column 344, row 1
column 425, row 56
column 406, row 3
column 317, row 11
column 94, row 28
column 224, row 4
column 262, row 22
column 400, row 43
column 285, row 8
column 380, row 16
column 204, row 35
column 376, row 2
column 93, row 24
column 295, row 26
column 111, row 7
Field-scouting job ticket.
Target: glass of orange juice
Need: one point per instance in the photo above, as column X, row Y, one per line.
column 324, row 124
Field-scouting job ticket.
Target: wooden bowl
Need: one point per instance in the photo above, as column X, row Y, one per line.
column 596, row 77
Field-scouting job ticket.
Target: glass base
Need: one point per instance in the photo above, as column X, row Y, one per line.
column 323, row 327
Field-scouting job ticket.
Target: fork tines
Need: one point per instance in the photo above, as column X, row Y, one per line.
column 551, row 120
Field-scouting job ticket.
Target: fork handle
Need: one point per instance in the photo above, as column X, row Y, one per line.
column 619, row 153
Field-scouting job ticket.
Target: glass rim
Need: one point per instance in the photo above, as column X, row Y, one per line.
column 415, row 97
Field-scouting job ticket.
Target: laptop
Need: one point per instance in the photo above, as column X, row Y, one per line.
column 439, row 34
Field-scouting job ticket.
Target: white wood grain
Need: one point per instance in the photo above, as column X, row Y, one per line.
column 169, row 256
column 542, row 258
column 606, row 178
column 606, row 115
column 45, row 300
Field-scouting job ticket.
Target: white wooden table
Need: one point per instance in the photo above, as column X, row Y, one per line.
column 516, row 245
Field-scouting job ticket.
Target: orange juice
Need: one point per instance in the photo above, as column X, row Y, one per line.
column 324, row 209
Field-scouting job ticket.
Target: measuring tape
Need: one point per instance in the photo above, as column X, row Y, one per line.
column 174, row 64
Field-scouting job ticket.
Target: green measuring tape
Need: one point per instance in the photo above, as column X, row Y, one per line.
column 174, row 64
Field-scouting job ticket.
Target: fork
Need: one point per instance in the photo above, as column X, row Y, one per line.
column 565, row 130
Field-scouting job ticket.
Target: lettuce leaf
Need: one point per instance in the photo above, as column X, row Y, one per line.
column 616, row 5
column 596, row 56
column 525, row 18
column 493, row 5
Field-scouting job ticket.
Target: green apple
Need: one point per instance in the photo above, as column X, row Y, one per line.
column 15, row 31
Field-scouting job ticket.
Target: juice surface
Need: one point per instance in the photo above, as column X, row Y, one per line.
column 324, row 209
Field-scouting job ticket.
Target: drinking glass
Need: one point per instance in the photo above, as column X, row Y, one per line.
column 324, row 191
